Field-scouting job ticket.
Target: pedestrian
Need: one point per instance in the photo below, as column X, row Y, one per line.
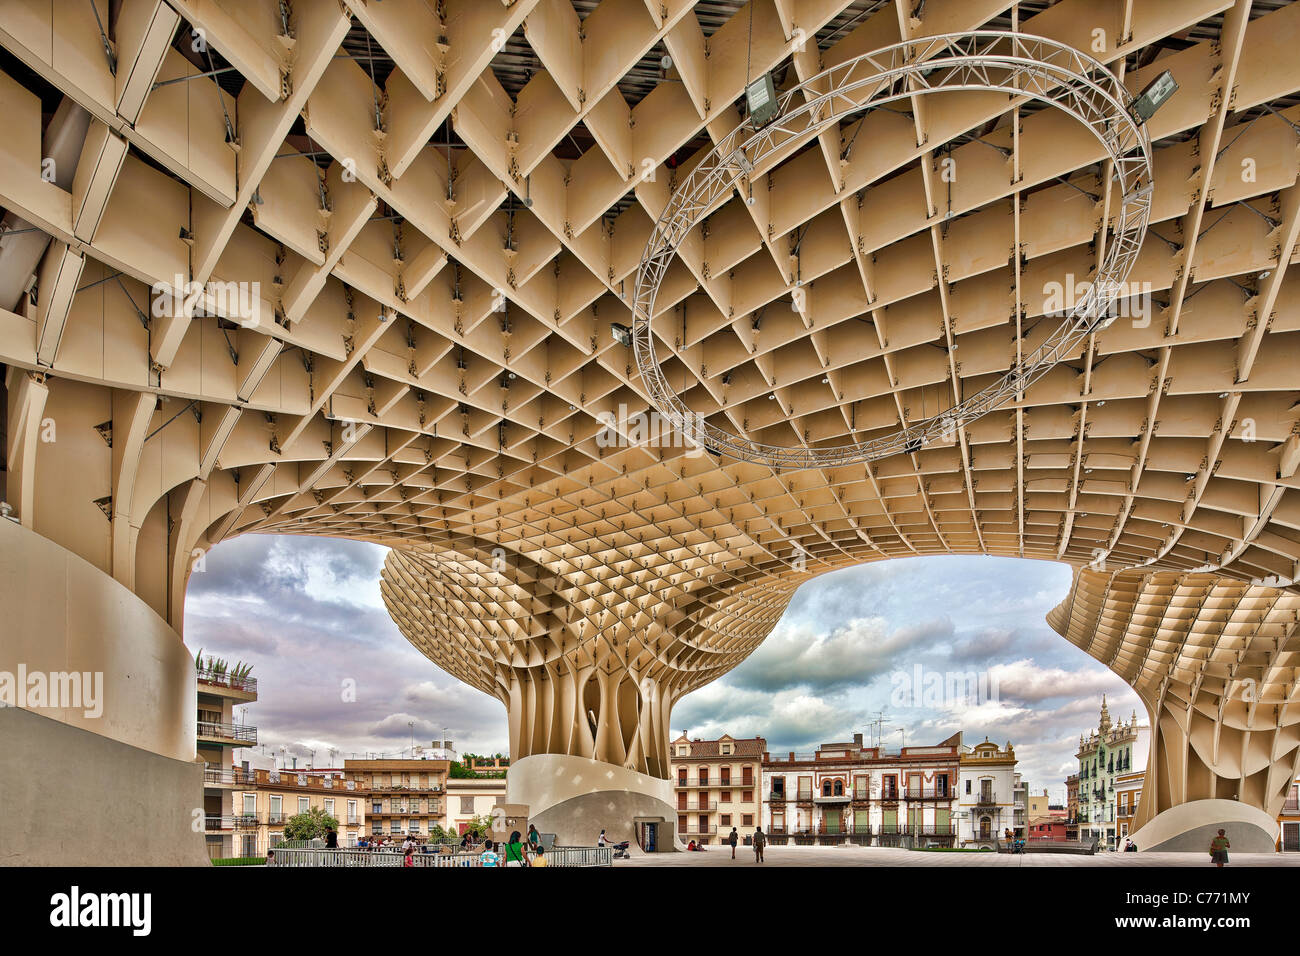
column 534, row 838
column 408, row 858
column 489, row 855
column 1219, row 849
column 331, row 840
column 600, row 840
column 515, row 854
column 760, row 841
column 540, row 859
column 270, row 858
column 733, row 839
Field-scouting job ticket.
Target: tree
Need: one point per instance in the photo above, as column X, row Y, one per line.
column 480, row 827
column 310, row 824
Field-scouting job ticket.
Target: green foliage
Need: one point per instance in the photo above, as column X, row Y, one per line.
column 240, row 861
column 310, row 824
column 479, row 827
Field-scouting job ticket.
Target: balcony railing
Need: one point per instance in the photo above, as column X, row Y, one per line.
column 211, row 730
column 775, row 797
column 215, row 822
column 805, row 796
column 986, row 799
column 207, row 675
column 698, row 830
column 699, row 806
column 889, row 794
column 928, row 793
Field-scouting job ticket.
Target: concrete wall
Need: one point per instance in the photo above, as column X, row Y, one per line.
column 73, row 798
column 63, row 614
column 1189, row 827
column 576, row 797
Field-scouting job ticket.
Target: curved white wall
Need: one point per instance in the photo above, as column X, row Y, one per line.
column 61, row 613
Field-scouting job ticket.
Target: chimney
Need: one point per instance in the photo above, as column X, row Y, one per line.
column 857, row 741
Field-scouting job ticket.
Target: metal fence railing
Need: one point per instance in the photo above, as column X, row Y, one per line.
column 559, row 856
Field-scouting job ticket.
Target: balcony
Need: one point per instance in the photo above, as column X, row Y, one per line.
column 699, row 806
column 227, row 733
column 216, row 823
column 927, row 793
column 986, row 798
column 226, row 685
column 831, row 799
column 889, row 795
column 246, row 821
column 804, row 796
column 775, row 797
column 697, row 830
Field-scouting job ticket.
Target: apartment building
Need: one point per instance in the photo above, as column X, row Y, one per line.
column 1072, row 807
column 1102, row 755
column 989, row 788
column 847, row 792
column 401, row 796
column 218, row 735
column 470, row 797
column 265, row 799
column 717, row 784
column 1288, row 821
column 1128, row 792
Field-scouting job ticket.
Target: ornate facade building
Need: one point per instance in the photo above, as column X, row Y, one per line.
column 1103, row 755
column 846, row 792
column 988, row 806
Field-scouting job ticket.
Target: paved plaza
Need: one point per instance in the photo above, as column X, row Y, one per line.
column 892, row 856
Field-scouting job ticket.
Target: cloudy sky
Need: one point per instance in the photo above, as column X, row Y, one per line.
column 307, row 613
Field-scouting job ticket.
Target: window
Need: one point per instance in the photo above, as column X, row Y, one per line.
column 726, row 750
column 250, row 803
column 352, row 811
column 968, row 786
column 747, row 820
column 377, row 806
column 726, row 820
column 681, row 777
column 778, row 785
column 747, row 796
column 725, row 797
column 329, row 805
column 304, row 804
column 466, row 804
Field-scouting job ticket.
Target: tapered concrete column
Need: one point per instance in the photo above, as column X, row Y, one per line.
column 1212, row 659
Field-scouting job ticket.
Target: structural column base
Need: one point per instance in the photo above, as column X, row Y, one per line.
column 576, row 797
column 1191, row 826
column 74, row 798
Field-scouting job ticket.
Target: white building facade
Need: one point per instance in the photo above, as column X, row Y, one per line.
column 987, row 792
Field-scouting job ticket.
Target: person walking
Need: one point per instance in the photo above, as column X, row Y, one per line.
column 1219, row 850
column 515, row 855
column 760, row 841
column 733, row 838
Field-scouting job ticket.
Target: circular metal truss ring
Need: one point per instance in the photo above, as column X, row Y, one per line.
column 988, row 60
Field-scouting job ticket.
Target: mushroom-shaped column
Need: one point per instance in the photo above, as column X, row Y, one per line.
column 1214, row 661
column 588, row 660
